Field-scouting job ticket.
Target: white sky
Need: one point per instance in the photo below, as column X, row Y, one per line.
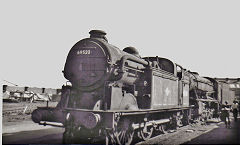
column 35, row 36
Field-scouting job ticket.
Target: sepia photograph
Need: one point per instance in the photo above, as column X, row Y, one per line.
column 120, row 72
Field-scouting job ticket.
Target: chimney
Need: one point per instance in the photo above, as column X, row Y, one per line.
column 98, row 34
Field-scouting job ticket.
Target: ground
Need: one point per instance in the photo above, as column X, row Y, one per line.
column 16, row 113
column 220, row 135
column 181, row 135
column 18, row 128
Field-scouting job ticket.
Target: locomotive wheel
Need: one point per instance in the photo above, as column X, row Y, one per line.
column 110, row 138
column 145, row 133
column 67, row 137
column 124, row 137
column 185, row 119
column 163, row 128
column 179, row 123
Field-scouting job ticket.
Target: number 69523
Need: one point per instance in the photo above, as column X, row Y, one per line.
column 83, row 52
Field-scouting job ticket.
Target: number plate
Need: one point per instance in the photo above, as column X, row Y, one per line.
column 84, row 52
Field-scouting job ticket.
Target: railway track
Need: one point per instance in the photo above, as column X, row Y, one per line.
column 14, row 111
column 13, row 107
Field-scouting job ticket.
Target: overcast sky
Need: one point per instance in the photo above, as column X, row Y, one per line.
column 202, row 36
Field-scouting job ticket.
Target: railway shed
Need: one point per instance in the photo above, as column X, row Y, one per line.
column 234, row 85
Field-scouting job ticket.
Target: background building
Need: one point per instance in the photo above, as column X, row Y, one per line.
column 234, row 85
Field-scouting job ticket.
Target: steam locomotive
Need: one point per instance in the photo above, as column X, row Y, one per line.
column 116, row 95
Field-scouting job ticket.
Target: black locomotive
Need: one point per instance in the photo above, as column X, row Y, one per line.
column 118, row 95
